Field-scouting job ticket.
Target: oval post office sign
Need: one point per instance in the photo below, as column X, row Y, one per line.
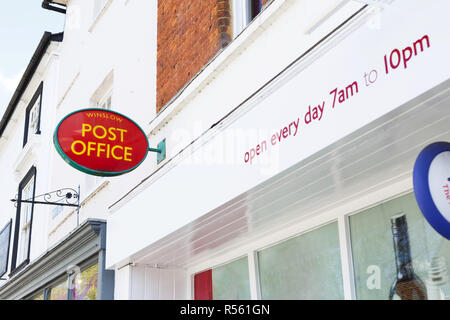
column 431, row 178
column 100, row 142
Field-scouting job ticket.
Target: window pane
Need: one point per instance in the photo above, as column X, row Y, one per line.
column 85, row 284
column 5, row 236
column 106, row 101
column 305, row 267
column 25, row 222
column 59, row 291
column 395, row 252
column 243, row 12
column 231, row 281
column 39, row 297
column 33, row 119
column 255, row 8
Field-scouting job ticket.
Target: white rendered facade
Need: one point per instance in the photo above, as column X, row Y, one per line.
column 207, row 204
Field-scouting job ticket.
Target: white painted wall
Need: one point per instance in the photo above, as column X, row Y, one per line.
column 122, row 283
column 122, row 42
column 16, row 160
column 142, row 282
column 151, row 283
column 282, row 32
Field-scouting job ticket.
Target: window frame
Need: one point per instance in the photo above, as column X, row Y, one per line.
column 83, row 266
column 104, row 100
column 315, row 228
column 216, row 266
column 31, row 174
column 243, row 13
column 375, row 204
column 104, row 91
column 340, row 214
column 54, row 283
column 37, row 294
column 37, row 94
column 7, row 226
column 97, row 12
column 100, row 96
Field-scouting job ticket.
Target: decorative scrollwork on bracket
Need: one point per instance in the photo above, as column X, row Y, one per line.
column 66, row 195
column 62, row 197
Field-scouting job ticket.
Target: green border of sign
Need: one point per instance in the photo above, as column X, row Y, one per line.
column 87, row 170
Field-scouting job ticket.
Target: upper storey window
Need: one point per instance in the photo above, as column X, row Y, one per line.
column 103, row 95
column 24, row 218
column 106, row 101
column 244, row 11
column 188, row 39
column 33, row 116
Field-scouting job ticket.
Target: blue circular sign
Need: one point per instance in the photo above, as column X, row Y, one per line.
column 431, row 179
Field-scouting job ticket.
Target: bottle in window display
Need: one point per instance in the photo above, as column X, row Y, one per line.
column 407, row 286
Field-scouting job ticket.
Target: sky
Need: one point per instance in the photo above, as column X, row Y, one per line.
column 22, row 24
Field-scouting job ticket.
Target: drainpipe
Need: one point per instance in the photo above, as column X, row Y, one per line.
column 46, row 5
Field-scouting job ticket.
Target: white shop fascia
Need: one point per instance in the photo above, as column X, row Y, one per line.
column 335, row 119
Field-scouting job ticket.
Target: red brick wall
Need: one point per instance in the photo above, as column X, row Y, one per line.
column 190, row 32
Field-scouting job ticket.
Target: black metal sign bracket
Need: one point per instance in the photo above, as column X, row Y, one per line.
column 66, row 197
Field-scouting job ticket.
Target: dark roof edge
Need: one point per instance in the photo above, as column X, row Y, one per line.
column 46, row 4
column 28, row 75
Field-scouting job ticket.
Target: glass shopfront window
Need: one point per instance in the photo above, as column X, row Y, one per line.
column 231, row 281
column 305, row 267
column 26, row 213
column 39, row 296
column 59, row 291
column 397, row 255
column 226, row 282
column 84, row 285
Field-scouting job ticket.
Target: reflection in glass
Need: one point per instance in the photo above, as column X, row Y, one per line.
column 59, row 291
column 231, row 281
column 84, row 285
column 33, row 120
column 438, row 286
column 305, row 267
column 39, row 297
column 373, row 252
